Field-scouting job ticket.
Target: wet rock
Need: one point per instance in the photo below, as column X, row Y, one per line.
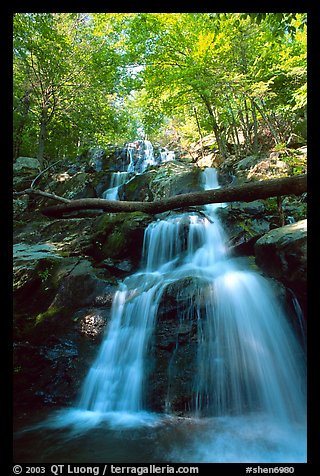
column 244, row 223
column 92, row 322
column 26, row 166
column 50, row 371
column 138, row 188
column 168, row 179
column 78, row 185
column 246, row 163
column 119, row 236
column 174, row 365
column 20, row 205
column 282, row 254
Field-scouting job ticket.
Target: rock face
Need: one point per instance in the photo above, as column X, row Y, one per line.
column 25, row 169
column 169, row 179
column 171, row 379
column 66, row 272
column 26, row 166
column 282, row 254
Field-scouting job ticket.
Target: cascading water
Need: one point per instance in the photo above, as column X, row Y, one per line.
column 166, row 155
column 140, row 155
column 117, row 179
column 249, row 373
column 247, row 353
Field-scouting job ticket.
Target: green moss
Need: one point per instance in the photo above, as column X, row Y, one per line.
column 132, row 186
column 245, row 225
column 114, row 243
column 49, row 313
column 118, row 235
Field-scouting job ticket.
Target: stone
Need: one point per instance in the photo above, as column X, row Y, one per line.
column 34, row 252
column 74, row 186
column 173, row 365
column 208, row 160
column 119, row 236
column 246, row 163
column 20, row 205
column 244, row 223
column 169, row 179
column 26, row 166
column 282, row 254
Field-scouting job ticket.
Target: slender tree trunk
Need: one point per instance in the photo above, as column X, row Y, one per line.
column 255, row 128
column 43, row 134
column 244, row 131
column 19, row 130
column 268, row 122
column 234, row 131
column 199, row 129
column 215, row 127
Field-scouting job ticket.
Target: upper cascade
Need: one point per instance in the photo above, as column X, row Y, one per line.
column 141, row 154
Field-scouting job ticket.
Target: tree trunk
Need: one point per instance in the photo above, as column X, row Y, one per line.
column 215, row 127
column 268, row 122
column 199, row 129
column 255, row 129
column 25, row 107
column 248, row 192
column 43, row 134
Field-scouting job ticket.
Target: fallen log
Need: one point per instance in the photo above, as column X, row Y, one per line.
column 247, row 192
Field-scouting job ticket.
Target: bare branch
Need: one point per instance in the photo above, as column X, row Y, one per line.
column 32, row 191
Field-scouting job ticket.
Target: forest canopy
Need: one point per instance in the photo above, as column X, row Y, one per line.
column 87, row 79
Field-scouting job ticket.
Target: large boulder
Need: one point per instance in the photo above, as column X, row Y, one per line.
column 246, row 163
column 78, row 185
column 168, row 179
column 174, row 365
column 118, row 237
column 25, row 169
column 61, row 307
column 244, row 223
column 282, row 254
column 26, row 166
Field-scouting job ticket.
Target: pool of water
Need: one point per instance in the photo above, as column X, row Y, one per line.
column 68, row 437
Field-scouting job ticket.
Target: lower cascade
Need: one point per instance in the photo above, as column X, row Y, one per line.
column 248, row 389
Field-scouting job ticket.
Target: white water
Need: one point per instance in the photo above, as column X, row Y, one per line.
column 250, row 370
column 141, row 155
column 117, row 179
column 166, row 155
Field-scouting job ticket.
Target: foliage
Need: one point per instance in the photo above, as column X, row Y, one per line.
column 90, row 79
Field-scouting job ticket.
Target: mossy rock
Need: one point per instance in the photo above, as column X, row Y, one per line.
column 282, row 254
column 175, row 178
column 138, row 188
column 167, row 180
column 119, row 236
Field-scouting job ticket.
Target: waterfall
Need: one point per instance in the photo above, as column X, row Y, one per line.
column 148, row 155
column 248, row 357
column 140, row 155
column 117, row 179
column 166, row 155
column 247, row 397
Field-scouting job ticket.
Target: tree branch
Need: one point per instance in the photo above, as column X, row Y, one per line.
column 247, row 192
column 32, row 191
